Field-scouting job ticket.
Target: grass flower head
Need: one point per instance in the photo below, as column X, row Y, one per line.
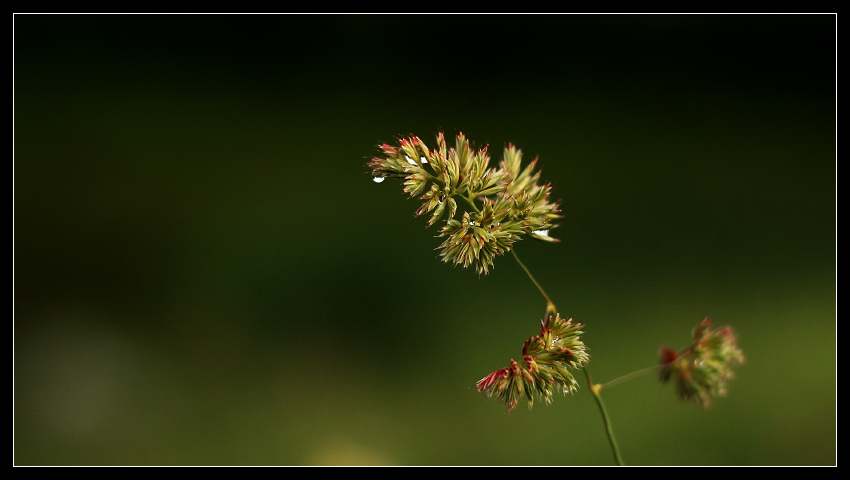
column 548, row 358
column 501, row 204
column 702, row 370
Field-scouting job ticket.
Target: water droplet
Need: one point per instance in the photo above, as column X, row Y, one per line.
column 409, row 160
column 542, row 233
column 472, row 223
column 424, row 160
column 377, row 179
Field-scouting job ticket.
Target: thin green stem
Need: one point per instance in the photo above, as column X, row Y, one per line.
column 594, row 389
column 629, row 375
column 471, row 203
column 550, row 307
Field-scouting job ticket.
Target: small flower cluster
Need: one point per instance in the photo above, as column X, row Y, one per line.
column 547, row 358
column 504, row 203
column 702, row 370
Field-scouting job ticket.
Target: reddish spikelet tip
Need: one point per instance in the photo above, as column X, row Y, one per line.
column 668, row 356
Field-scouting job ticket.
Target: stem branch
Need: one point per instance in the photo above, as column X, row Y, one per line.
column 471, row 203
column 594, row 389
column 629, row 375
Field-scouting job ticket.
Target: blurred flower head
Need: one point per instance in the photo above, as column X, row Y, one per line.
column 702, row 370
column 501, row 203
column 547, row 358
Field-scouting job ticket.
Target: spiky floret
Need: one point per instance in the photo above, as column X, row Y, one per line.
column 503, row 203
column 548, row 358
column 702, row 370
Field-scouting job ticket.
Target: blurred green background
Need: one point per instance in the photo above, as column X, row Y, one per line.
column 205, row 273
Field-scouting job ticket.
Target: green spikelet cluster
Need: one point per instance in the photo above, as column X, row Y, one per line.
column 702, row 370
column 548, row 358
column 502, row 203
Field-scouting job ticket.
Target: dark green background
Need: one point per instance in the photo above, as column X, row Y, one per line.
column 205, row 273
